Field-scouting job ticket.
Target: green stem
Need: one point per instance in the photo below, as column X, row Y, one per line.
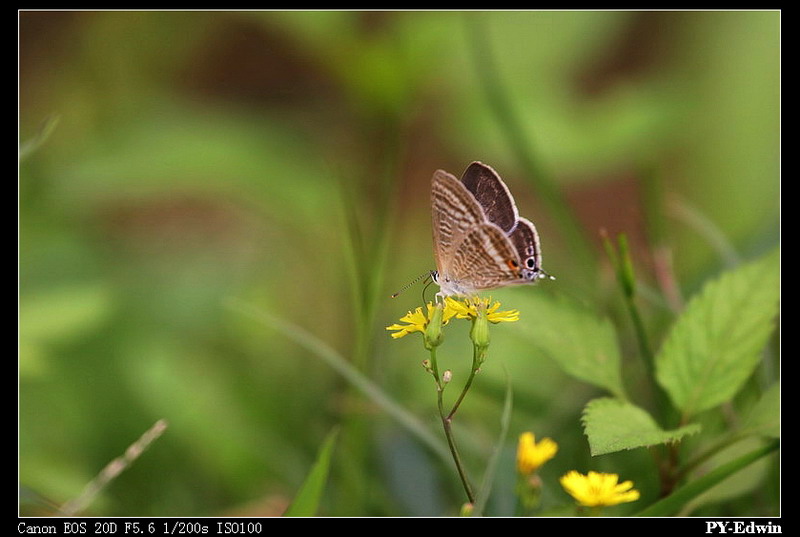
column 623, row 265
column 641, row 335
column 670, row 470
column 673, row 503
column 466, row 385
column 596, row 510
column 447, row 425
column 710, row 452
column 519, row 509
column 451, row 441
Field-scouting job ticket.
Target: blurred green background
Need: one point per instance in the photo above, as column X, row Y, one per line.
column 283, row 160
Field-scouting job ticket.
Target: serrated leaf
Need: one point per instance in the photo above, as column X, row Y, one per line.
column 614, row 425
column 764, row 418
column 306, row 502
column 581, row 342
column 716, row 342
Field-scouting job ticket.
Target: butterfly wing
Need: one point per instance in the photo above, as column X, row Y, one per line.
column 484, row 258
column 455, row 211
column 492, row 194
column 479, row 240
column 526, row 242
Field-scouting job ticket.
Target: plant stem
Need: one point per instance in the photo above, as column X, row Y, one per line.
column 623, row 266
column 467, row 385
column 674, row 502
column 710, row 452
column 112, row 470
column 447, row 420
column 641, row 334
column 451, row 441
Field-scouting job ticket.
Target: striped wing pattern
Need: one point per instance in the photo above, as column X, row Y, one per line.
column 485, row 258
column 480, row 242
column 455, row 212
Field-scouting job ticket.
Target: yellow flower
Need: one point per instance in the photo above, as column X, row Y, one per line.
column 598, row 489
column 531, row 455
column 418, row 321
column 469, row 308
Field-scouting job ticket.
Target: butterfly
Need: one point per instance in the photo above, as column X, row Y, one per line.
column 479, row 240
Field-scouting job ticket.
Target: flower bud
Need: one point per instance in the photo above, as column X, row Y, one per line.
column 480, row 334
column 433, row 332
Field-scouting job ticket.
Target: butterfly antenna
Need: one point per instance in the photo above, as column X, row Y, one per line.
column 412, row 282
column 426, row 287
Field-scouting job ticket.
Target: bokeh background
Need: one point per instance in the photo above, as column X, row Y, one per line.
column 176, row 164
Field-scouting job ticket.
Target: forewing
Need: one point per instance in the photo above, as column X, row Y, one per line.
column 492, row 194
column 455, row 211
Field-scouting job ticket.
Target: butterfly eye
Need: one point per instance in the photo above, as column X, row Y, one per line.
column 530, row 262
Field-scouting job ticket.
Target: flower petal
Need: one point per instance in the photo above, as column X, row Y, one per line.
column 598, row 489
column 532, row 455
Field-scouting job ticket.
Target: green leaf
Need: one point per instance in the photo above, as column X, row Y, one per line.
column 306, row 502
column 613, row 425
column 715, row 344
column 764, row 418
column 582, row 343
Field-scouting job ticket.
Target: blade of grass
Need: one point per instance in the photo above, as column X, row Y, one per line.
column 488, row 475
column 706, row 228
column 673, row 503
column 657, row 232
column 112, row 470
column 366, row 202
column 623, row 265
column 27, row 147
column 306, row 502
column 320, row 349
